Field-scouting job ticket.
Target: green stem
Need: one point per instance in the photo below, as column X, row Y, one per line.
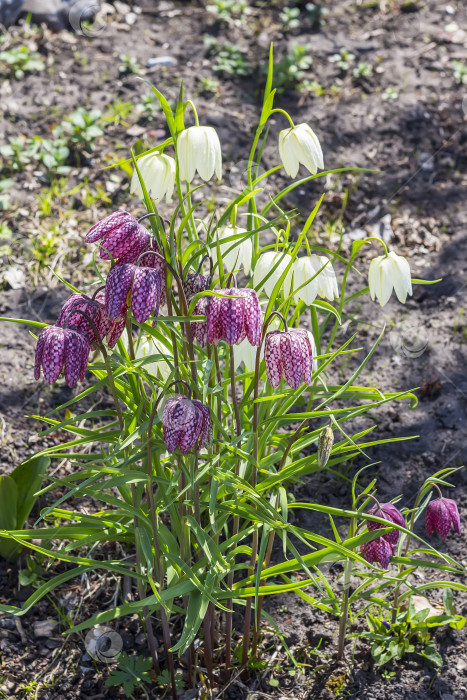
column 254, row 478
column 345, row 600
column 395, row 604
column 282, row 111
column 193, row 108
column 158, row 560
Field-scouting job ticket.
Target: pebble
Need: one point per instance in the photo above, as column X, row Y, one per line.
column 162, row 61
column 131, row 18
column 44, row 628
column 7, row 623
column 121, row 7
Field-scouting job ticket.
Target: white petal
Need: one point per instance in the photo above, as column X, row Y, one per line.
column 402, row 279
column 246, row 353
column 287, row 154
column 305, row 150
column 373, row 277
column 303, row 271
column 386, row 281
column 277, row 261
column 312, row 141
column 182, row 154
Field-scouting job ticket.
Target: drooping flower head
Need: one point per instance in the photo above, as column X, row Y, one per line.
column 274, row 262
column 113, row 328
column 141, row 286
column 233, row 319
column 299, row 144
column 440, row 514
column 379, row 550
column 388, row 272
column 389, row 512
column 61, row 349
column 199, row 149
column 324, row 283
column 72, row 315
column 193, row 284
column 158, row 173
column 289, row 355
column 108, row 329
column 185, row 423
column 121, row 237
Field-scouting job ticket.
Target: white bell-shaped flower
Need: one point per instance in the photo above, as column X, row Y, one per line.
column 158, row 173
column 300, row 145
column 324, row 284
column 238, row 253
column 388, row 272
column 276, row 261
column 246, row 352
column 199, row 150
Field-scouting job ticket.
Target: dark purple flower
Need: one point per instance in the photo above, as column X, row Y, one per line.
column 111, row 330
column 289, row 355
column 193, row 284
column 91, row 307
column 199, row 328
column 440, row 515
column 155, row 262
column 139, row 286
column 390, row 513
column 233, row 320
column 121, row 237
column 59, row 348
column 115, row 330
column 186, row 423
column 379, row 550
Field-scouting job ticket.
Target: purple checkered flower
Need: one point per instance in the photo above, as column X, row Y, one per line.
column 139, row 286
column 289, row 355
column 233, row 320
column 390, row 513
column 379, row 550
column 121, row 237
column 61, row 348
column 440, row 515
column 194, row 284
column 93, row 308
column 186, row 423
column 199, row 328
column 111, row 330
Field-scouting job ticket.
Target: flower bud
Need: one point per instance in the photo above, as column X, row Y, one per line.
column 325, row 443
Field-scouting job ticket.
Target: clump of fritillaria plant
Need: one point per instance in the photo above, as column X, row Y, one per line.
column 218, row 345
